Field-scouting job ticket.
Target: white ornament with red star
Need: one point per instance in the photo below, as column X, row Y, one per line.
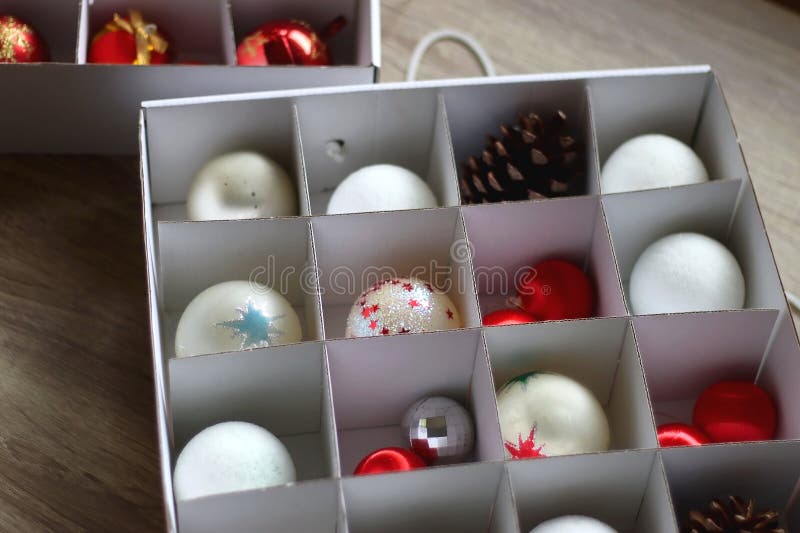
column 545, row 414
column 401, row 305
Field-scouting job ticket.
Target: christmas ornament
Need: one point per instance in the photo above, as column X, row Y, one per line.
column 545, row 414
column 686, row 272
column 240, row 185
column 381, row 188
column 735, row 516
column 387, row 460
column 288, row 42
column 534, row 159
column 130, row 40
column 573, row 524
column 736, row 411
column 401, row 305
column 233, row 316
column 439, row 430
column 680, row 435
column 19, row 42
column 505, row 317
column 230, row 457
column 651, row 161
column 556, row 290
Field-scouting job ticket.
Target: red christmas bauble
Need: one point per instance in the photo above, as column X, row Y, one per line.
column 287, row 42
column 680, row 435
column 736, row 411
column 389, row 460
column 506, row 317
column 557, row 290
column 20, row 43
column 130, row 41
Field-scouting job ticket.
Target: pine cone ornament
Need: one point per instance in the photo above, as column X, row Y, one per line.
column 533, row 159
column 735, row 517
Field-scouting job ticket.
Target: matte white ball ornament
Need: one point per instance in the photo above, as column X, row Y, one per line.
column 686, row 272
column 573, row 524
column 381, row 188
column 241, row 185
column 230, row 457
column 651, row 161
column 233, row 316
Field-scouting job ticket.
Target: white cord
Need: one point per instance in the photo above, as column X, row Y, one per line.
column 463, row 39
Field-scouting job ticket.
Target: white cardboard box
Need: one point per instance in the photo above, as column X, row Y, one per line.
column 92, row 108
column 333, row 399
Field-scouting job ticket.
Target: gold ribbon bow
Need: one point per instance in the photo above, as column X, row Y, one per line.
column 148, row 39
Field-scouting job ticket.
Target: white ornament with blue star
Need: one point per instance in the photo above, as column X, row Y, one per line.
column 234, row 316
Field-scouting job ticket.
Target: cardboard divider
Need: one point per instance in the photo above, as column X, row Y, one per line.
column 277, row 253
column 355, row 251
column 636, row 500
column 508, row 240
column 376, row 380
column 248, row 15
column 470, row 124
column 403, row 128
column 455, row 499
column 637, row 219
column 280, row 389
column 56, row 23
column 182, row 139
column 686, row 106
column 767, row 472
column 684, row 354
column 779, row 374
column 600, row 354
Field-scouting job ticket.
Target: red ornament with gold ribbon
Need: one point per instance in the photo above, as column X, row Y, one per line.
column 19, row 42
column 130, row 40
column 288, row 42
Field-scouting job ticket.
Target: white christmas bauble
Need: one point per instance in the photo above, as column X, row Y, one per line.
column 651, row 161
column 686, row 272
column 233, row 316
column 241, row 185
column 401, row 305
column 230, row 457
column 381, row 188
column 573, row 524
column 544, row 414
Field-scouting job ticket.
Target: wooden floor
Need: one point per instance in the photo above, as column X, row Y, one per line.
column 77, row 437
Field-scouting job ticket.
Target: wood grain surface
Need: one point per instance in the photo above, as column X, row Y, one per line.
column 77, row 430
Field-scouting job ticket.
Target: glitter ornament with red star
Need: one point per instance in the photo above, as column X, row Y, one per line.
column 401, row 305
column 130, row 40
column 287, row 42
column 544, row 414
column 439, row 430
column 19, row 42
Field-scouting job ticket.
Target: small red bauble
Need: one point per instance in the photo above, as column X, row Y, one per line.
column 557, row 290
column 736, row 411
column 677, row 434
column 19, row 42
column 389, row 460
column 506, row 317
column 130, row 41
column 287, row 42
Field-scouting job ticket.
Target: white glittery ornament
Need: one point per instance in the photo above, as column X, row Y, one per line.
column 439, row 430
column 545, row 414
column 230, row 457
column 233, row 316
column 381, row 188
column 241, row 185
column 573, row 524
column 401, row 305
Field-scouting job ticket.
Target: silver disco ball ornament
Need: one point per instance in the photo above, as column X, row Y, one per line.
column 439, row 430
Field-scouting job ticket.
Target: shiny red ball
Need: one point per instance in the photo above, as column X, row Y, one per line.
column 506, row 317
column 283, row 42
column 557, row 290
column 389, row 460
column 736, row 411
column 677, row 434
column 115, row 45
column 20, row 43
